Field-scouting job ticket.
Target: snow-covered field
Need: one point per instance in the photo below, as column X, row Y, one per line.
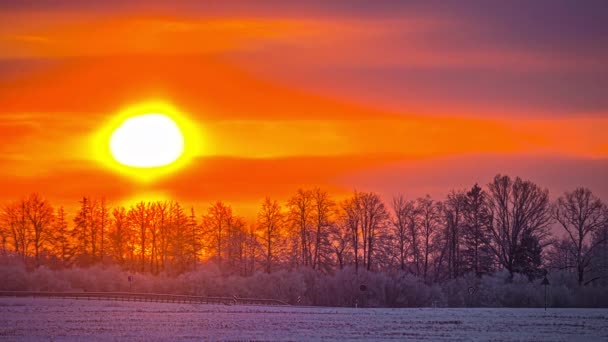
column 68, row 319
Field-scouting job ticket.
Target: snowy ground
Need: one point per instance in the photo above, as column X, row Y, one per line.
column 67, row 319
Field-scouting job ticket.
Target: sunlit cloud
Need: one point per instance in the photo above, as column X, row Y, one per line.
column 288, row 87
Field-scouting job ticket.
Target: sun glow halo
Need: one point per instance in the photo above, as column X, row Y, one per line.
column 147, row 140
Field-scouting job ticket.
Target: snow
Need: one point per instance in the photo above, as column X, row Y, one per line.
column 70, row 319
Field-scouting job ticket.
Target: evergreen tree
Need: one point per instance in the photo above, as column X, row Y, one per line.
column 476, row 254
column 527, row 257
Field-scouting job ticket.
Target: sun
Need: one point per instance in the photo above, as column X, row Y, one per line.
column 148, row 140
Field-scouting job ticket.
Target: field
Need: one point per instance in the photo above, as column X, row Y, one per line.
column 70, row 319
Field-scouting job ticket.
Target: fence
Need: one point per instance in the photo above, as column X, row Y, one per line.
column 144, row 297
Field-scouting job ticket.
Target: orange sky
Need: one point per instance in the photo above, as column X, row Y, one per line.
column 305, row 95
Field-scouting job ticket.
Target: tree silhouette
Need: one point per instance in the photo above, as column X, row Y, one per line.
column 477, row 225
column 504, row 226
column 270, row 220
column 581, row 215
column 521, row 214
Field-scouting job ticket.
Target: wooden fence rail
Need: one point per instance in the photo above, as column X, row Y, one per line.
column 144, row 297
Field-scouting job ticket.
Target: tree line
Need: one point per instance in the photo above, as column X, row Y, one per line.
column 510, row 224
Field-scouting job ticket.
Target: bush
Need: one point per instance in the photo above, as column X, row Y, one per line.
column 311, row 287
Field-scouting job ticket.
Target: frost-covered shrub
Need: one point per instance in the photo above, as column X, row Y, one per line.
column 406, row 290
column 564, row 278
column 316, row 288
column 348, row 288
column 591, row 297
column 312, row 287
column 457, row 294
column 498, row 290
column 13, row 277
column 341, row 289
column 560, row 296
column 95, row 279
column 282, row 285
column 237, row 286
column 204, row 281
column 44, row 279
column 374, row 293
column 521, row 293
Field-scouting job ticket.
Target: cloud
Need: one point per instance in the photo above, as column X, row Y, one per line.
column 472, row 91
column 513, row 58
column 244, row 182
column 291, row 94
column 64, row 183
column 437, row 176
column 200, row 84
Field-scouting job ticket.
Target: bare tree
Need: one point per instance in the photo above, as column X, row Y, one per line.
column 270, row 221
column 194, row 235
column 140, row 217
column 14, row 218
column 352, row 219
column 365, row 215
column 430, row 222
column 580, row 214
column 154, row 229
column 163, row 222
column 183, row 241
column 374, row 217
column 453, row 210
column 300, row 214
column 600, row 254
column 521, row 216
column 216, row 224
column 4, row 235
column 404, row 212
column 340, row 238
column 323, row 207
column 559, row 256
column 40, row 215
column 414, row 231
column 119, row 234
column 252, row 246
column 236, row 245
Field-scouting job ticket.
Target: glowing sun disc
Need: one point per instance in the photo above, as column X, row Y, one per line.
column 147, row 141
